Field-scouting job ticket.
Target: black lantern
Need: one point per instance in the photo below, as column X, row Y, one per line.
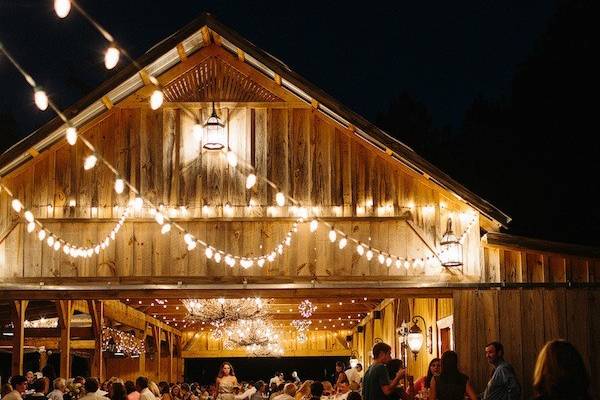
column 213, row 129
column 451, row 249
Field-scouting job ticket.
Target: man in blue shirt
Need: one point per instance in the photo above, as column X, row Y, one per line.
column 376, row 382
column 503, row 384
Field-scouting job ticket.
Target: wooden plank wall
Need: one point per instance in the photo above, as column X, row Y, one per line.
column 523, row 320
column 129, row 368
column 307, row 156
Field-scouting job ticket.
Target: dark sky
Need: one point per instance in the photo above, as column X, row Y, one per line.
column 443, row 53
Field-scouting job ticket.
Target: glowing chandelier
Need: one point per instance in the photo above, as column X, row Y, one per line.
column 121, row 343
column 220, row 312
column 249, row 332
column 269, row 350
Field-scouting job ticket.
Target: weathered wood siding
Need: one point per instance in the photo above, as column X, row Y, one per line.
column 309, row 157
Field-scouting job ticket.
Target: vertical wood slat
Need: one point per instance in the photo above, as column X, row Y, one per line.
column 532, row 336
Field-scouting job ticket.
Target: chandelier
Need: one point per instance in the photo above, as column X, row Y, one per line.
column 269, row 350
column 306, row 308
column 249, row 332
column 121, row 343
column 221, row 312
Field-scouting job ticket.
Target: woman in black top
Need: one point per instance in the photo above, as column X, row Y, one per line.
column 451, row 384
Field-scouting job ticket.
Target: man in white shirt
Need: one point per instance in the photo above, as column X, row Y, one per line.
column 19, row 384
column 141, row 384
column 277, row 379
column 59, row 389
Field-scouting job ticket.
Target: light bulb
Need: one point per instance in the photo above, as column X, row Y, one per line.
column 208, row 253
column 41, row 235
column 28, row 216
column 332, row 235
column 156, row 99
column 119, row 185
column 360, row 249
column 111, row 57
column 217, row 257
column 56, row 245
column 388, row 261
column 188, row 238
column 160, row 219
column 17, row 205
column 50, row 241
column 381, row 258
column 343, row 242
column 250, row 181
column 166, row 228
column 62, row 7
column 191, row 246
column 40, row 98
column 138, row 203
column 71, row 135
column 280, row 199
column 314, row 224
column 90, row 162
column 369, row 254
column 260, row 262
column 232, row 159
column 30, row 227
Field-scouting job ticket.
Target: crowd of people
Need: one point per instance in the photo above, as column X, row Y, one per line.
column 559, row 374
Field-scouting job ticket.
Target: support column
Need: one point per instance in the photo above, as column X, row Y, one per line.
column 169, row 336
column 142, row 359
column 65, row 311
column 156, row 331
column 18, row 318
column 96, row 311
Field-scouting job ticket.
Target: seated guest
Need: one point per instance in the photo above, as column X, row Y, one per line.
column 132, row 394
column 91, row 387
column 165, row 390
column 342, row 391
column 38, row 386
column 355, row 375
column 277, row 392
column 19, row 386
column 393, row 366
column 260, row 387
column 560, row 373
column 316, row 390
column 327, row 390
column 304, row 391
column 435, row 366
column 354, row 396
column 289, row 391
column 6, row 389
column 59, row 385
column 451, row 384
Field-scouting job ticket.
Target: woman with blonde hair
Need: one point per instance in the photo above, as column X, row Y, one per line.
column 560, row 373
column 303, row 391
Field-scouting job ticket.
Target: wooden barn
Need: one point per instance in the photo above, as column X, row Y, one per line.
column 283, row 194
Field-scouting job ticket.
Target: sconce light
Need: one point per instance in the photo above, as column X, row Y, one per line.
column 215, row 139
column 451, row 249
column 413, row 336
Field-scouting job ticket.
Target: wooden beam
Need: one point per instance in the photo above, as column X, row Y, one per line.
column 156, row 332
column 181, row 52
column 169, row 337
column 19, row 308
column 52, row 343
column 96, row 310
column 142, row 360
column 65, row 311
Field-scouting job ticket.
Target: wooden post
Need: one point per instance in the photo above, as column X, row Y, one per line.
column 65, row 310
column 142, row 360
column 156, row 334
column 170, row 344
column 43, row 359
column 18, row 319
column 96, row 310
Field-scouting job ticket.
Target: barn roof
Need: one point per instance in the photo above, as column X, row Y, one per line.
column 192, row 37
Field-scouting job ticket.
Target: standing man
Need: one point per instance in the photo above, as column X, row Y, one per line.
column 376, row 382
column 19, row 384
column 503, row 384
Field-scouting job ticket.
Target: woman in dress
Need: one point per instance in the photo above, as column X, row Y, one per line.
column 435, row 366
column 339, row 375
column 451, row 384
column 226, row 382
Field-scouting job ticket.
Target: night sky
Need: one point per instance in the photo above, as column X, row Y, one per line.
column 441, row 54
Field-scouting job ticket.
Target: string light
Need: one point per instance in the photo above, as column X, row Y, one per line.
column 342, row 243
column 280, row 199
column 360, row 249
column 232, row 159
column 332, row 235
column 111, row 57
column 30, row 227
column 62, row 8
column 250, row 181
column 119, row 185
column 71, row 135
column 40, row 98
column 17, row 205
column 166, row 228
column 138, row 203
column 90, row 162
column 156, row 99
column 314, row 224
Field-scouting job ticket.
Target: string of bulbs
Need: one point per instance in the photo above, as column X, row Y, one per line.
column 62, row 8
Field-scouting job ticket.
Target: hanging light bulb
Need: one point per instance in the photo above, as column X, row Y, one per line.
column 388, row 261
column 17, row 205
column 111, row 57
column 232, row 159
column 71, row 134
column 40, row 98
column 62, row 7
column 30, row 227
column 90, row 162
column 381, row 258
column 250, row 181
column 343, row 242
column 138, row 203
column 119, row 185
column 41, row 234
column 56, row 245
column 156, row 99
column 369, row 254
column 166, row 228
column 360, row 249
column 280, row 199
column 160, row 219
column 314, row 224
column 191, row 246
column 188, row 238
column 332, row 235
column 260, row 262
column 50, row 241
column 208, row 253
column 217, row 257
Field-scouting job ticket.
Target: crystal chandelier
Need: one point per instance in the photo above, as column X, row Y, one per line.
column 248, row 332
column 306, row 308
column 301, row 326
column 121, row 343
column 269, row 350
